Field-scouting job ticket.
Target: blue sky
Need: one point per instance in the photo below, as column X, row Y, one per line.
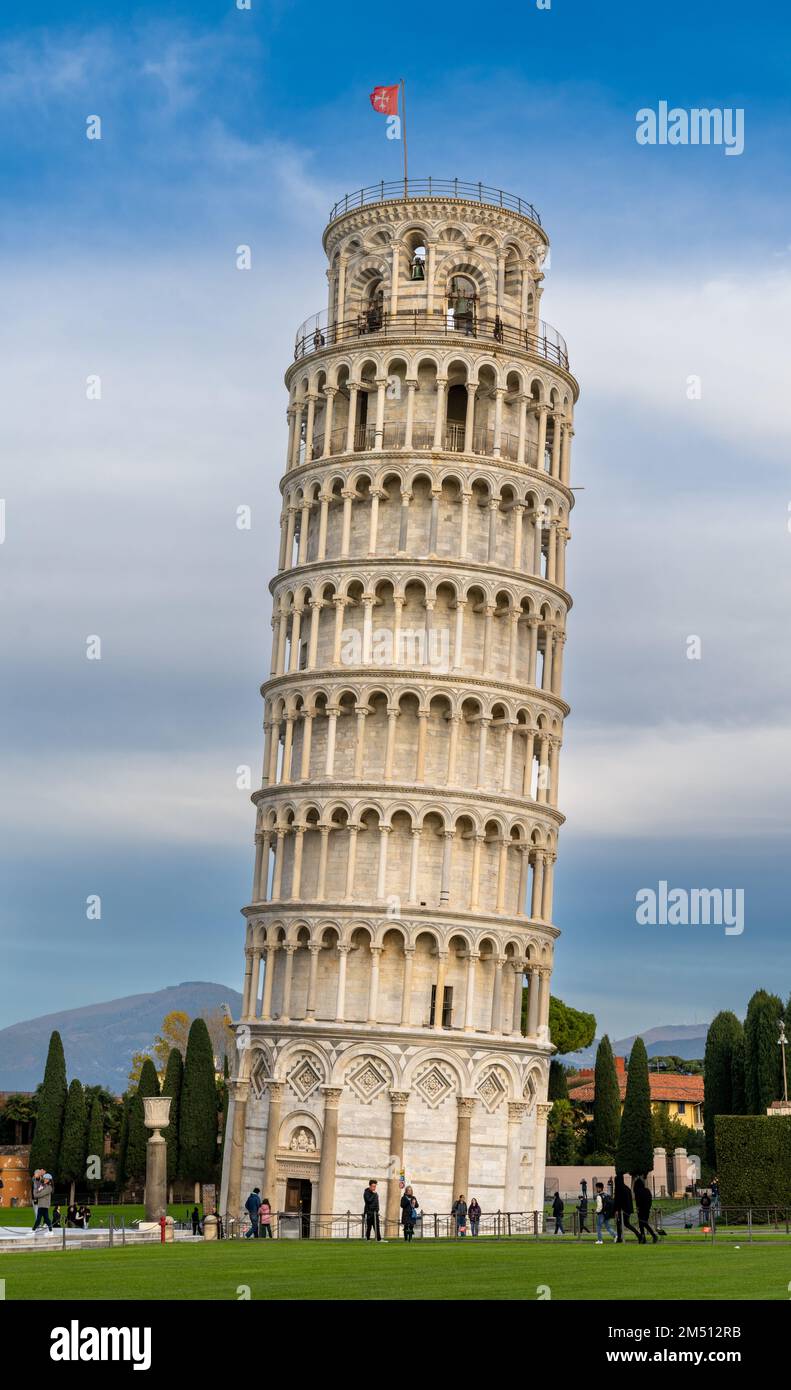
column 223, row 127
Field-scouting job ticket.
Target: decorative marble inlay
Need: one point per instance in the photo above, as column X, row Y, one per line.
column 367, row 1080
column 304, row 1077
column 492, row 1090
column 434, row 1085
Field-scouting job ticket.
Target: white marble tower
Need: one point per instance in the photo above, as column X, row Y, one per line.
column 407, row 821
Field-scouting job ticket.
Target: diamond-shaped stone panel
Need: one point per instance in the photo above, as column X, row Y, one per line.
column 304, row 1077
column 367, row 1080
column 434, row 1085
column 492, row 1090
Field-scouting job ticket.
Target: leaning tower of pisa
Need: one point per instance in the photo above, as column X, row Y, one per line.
column 399, row 937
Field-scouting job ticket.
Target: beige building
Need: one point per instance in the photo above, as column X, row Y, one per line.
column 407, row 821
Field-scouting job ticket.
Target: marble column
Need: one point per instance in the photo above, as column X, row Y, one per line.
column 461, row 1161
column 398, row 1102
column 329, row 1152
column 276, row 1089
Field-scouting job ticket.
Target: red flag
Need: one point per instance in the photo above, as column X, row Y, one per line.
column 385, row 100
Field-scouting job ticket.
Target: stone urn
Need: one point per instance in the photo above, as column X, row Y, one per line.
column 156, row 1114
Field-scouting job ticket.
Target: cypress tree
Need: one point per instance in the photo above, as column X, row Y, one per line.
column 45, row 1149
column 95, row 1146
column 171, row 1086
column 558, row 1086
column 121, row 1173
column 606, row 1102
column 635, row 1151
column 148, row 1085
column 198, row 1111
column 761, row 1051
column 738, row 1101
column 725, row 1031
column 71, row 1163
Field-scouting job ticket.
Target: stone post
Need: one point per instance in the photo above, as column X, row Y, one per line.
column 156, row 1111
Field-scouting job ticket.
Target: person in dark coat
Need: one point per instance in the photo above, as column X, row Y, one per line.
column 474, row 1215
column 643, row 1200
column 195, row 1219
column 459, row 1212
column 624, row 1207
column 408, row 1213
column 582, row 1212
column 371, row 1210
column 557, row 1211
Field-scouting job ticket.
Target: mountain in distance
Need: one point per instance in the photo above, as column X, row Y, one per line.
column 687, row 1040
column 100, row 1039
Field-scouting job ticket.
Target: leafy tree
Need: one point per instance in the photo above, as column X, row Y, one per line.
column 558, row 1087
column 725, row 1031
column 198, row 1111
column 95, row 1145
column 171, row 1086
column 111, row 1108
column 561, row 1133
column 71, row 1163
column 635, row 1152
column 761, row 1051
column 668, row 1132
column 19, row 1110
column 606, row 1102
column 45, row 1149
column 138, row 1134
column 221, row 1031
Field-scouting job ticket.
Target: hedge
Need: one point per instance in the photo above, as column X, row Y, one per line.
column 754, row 1159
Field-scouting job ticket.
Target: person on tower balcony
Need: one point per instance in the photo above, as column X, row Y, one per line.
column 371, row 1210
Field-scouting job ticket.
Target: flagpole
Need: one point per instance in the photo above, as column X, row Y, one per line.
column 403, row 120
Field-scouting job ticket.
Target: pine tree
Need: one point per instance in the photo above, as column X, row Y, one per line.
column 606, row 1102
column 45, row 1149
column 635, row 1152
column 198, row 1111
column 725, row 1032
column 761, row 1051
column 171, row 1086
column 95, row 1146
column 71, row 1163
column 138, row 1134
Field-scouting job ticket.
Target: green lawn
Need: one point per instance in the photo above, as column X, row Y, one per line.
column 342, row 1270
column 100, row 1216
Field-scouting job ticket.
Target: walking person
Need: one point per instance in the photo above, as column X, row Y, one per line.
column 582, row 1211
column 195, row 1219
column 624, row 1207
column 42, row 1196
column 252, row 1206
column 642, row 1201
column 265, row 1219
column 474, row 1215
column 558, row 1209
column 584, row 1188
column 409, row 1205
column 459, row 1210
column 371, row 1211
column 605, row 1210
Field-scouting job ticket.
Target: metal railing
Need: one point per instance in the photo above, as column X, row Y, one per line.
column 350, row 1225
column 452, row 440
column 400, row 189
column 317, row 332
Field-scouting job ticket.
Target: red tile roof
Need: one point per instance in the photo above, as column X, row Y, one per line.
column 669, row 1087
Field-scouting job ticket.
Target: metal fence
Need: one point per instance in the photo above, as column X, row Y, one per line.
column 500, row 1225
column 397, row 189
column 314, row 334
